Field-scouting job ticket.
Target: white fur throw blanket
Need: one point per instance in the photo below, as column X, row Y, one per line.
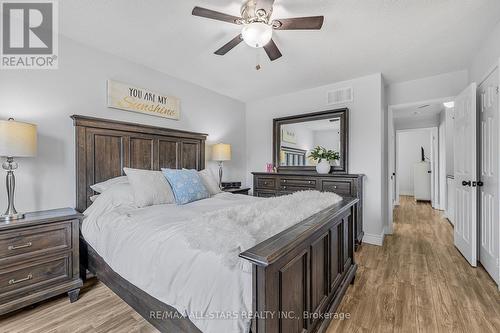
column 228, row 232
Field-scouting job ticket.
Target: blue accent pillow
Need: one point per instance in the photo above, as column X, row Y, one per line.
column 187, row 185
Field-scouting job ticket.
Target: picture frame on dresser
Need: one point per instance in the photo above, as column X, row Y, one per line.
column 339, row 117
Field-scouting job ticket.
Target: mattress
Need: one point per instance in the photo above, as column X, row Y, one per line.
column 145, row 247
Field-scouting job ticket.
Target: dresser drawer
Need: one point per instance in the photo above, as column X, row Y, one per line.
column 266, row 183
column 294, row 182
column 27, row 276
column 265, row 194
column 291, row 189
column 339, row 187
column 27, row 242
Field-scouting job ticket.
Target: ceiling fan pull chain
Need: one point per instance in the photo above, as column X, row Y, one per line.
column 257, row 60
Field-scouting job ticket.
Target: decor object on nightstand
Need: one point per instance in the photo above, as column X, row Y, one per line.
column 237, row 190
column 39, row 258
column 16, row 140
column 221, row 152
column 323, row 157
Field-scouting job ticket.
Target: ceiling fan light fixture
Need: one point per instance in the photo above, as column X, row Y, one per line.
column 257, row 34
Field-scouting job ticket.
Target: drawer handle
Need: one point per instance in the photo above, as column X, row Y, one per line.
column 14, row 281
column 284, row 181
column 265, row 183
column 310, row 182
column 284, row 187
column 335, row 186
column 17, row 247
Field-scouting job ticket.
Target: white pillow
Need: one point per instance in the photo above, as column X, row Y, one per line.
column 115, row 196
column 209, row 181
column 101, row 187
column 150, row 187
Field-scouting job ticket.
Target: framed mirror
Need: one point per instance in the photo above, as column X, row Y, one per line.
column 295, row 137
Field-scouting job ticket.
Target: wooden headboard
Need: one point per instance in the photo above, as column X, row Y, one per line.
column 105, row 147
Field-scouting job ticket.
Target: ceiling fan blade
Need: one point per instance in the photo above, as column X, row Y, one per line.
column 229, row 46
column 272, row 50
column 212, row 14
column 299, row 23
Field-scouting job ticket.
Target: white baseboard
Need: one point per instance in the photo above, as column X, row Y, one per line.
column 407, row 193
column 374, row 239
column 387, row 230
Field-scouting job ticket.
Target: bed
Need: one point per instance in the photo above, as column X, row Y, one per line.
column 290, row 281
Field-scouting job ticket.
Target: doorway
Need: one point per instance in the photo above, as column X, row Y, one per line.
column 416, row 164
column 434, row 119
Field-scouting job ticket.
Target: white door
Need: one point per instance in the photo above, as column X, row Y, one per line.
column 391, row 169
column 489, row 168
column 465, row 231
column 434, row 168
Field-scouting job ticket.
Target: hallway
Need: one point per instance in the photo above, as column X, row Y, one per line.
column 419, row 282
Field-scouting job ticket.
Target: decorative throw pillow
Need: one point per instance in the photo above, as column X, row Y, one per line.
column 150, row 187
column 209, row 181
column 187, row 185
column 101, row 187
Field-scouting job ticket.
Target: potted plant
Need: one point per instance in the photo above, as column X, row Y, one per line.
column 323, row 157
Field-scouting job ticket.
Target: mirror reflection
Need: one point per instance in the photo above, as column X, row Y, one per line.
column 299, row 140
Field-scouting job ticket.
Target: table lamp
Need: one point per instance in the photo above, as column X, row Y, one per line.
column 221, row 152
column 16, row 140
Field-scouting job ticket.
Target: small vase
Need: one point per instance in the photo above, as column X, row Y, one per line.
column 323, row 167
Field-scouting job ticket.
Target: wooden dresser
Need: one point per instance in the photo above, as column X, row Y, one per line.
column 39, row 258
column 276, row 184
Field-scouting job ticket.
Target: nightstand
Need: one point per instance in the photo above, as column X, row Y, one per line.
column 237, row 190
column 39, row 258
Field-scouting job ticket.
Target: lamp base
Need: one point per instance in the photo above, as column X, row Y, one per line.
column 12, row 217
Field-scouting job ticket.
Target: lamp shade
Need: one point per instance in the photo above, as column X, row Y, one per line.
column 221, row 152
column 17, row 139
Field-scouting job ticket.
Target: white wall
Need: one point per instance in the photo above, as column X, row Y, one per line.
column 304, row 137
column 365, row 141
column 48, row 98
column 409, row 153
column 429, row 88
column 330, row 139
column 486, row 57
column 414, row 123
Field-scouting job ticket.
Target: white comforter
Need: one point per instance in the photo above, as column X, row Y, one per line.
column 187, row 256
column 145, row 247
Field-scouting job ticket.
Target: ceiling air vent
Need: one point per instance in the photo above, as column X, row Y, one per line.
column 340, row 96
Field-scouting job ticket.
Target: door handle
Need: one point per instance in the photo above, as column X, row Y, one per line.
column 466, row 183
column 480, row 184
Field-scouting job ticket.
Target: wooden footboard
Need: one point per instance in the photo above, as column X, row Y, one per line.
column 301, row 274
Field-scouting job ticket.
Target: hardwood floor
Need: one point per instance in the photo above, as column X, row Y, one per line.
column 416, row 282
column 419, row 282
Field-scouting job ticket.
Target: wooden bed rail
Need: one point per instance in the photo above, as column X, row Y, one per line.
column 301, row 274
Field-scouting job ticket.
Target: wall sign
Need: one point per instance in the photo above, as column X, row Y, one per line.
column 288, row 135
column 129, row 98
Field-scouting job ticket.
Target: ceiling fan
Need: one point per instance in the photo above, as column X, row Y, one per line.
column 257, row 25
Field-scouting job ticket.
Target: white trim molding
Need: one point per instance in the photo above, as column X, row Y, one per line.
column 374, row 239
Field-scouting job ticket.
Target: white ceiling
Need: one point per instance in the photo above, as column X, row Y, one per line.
column 417, row 114
column 403, row 39
column 424, row 110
